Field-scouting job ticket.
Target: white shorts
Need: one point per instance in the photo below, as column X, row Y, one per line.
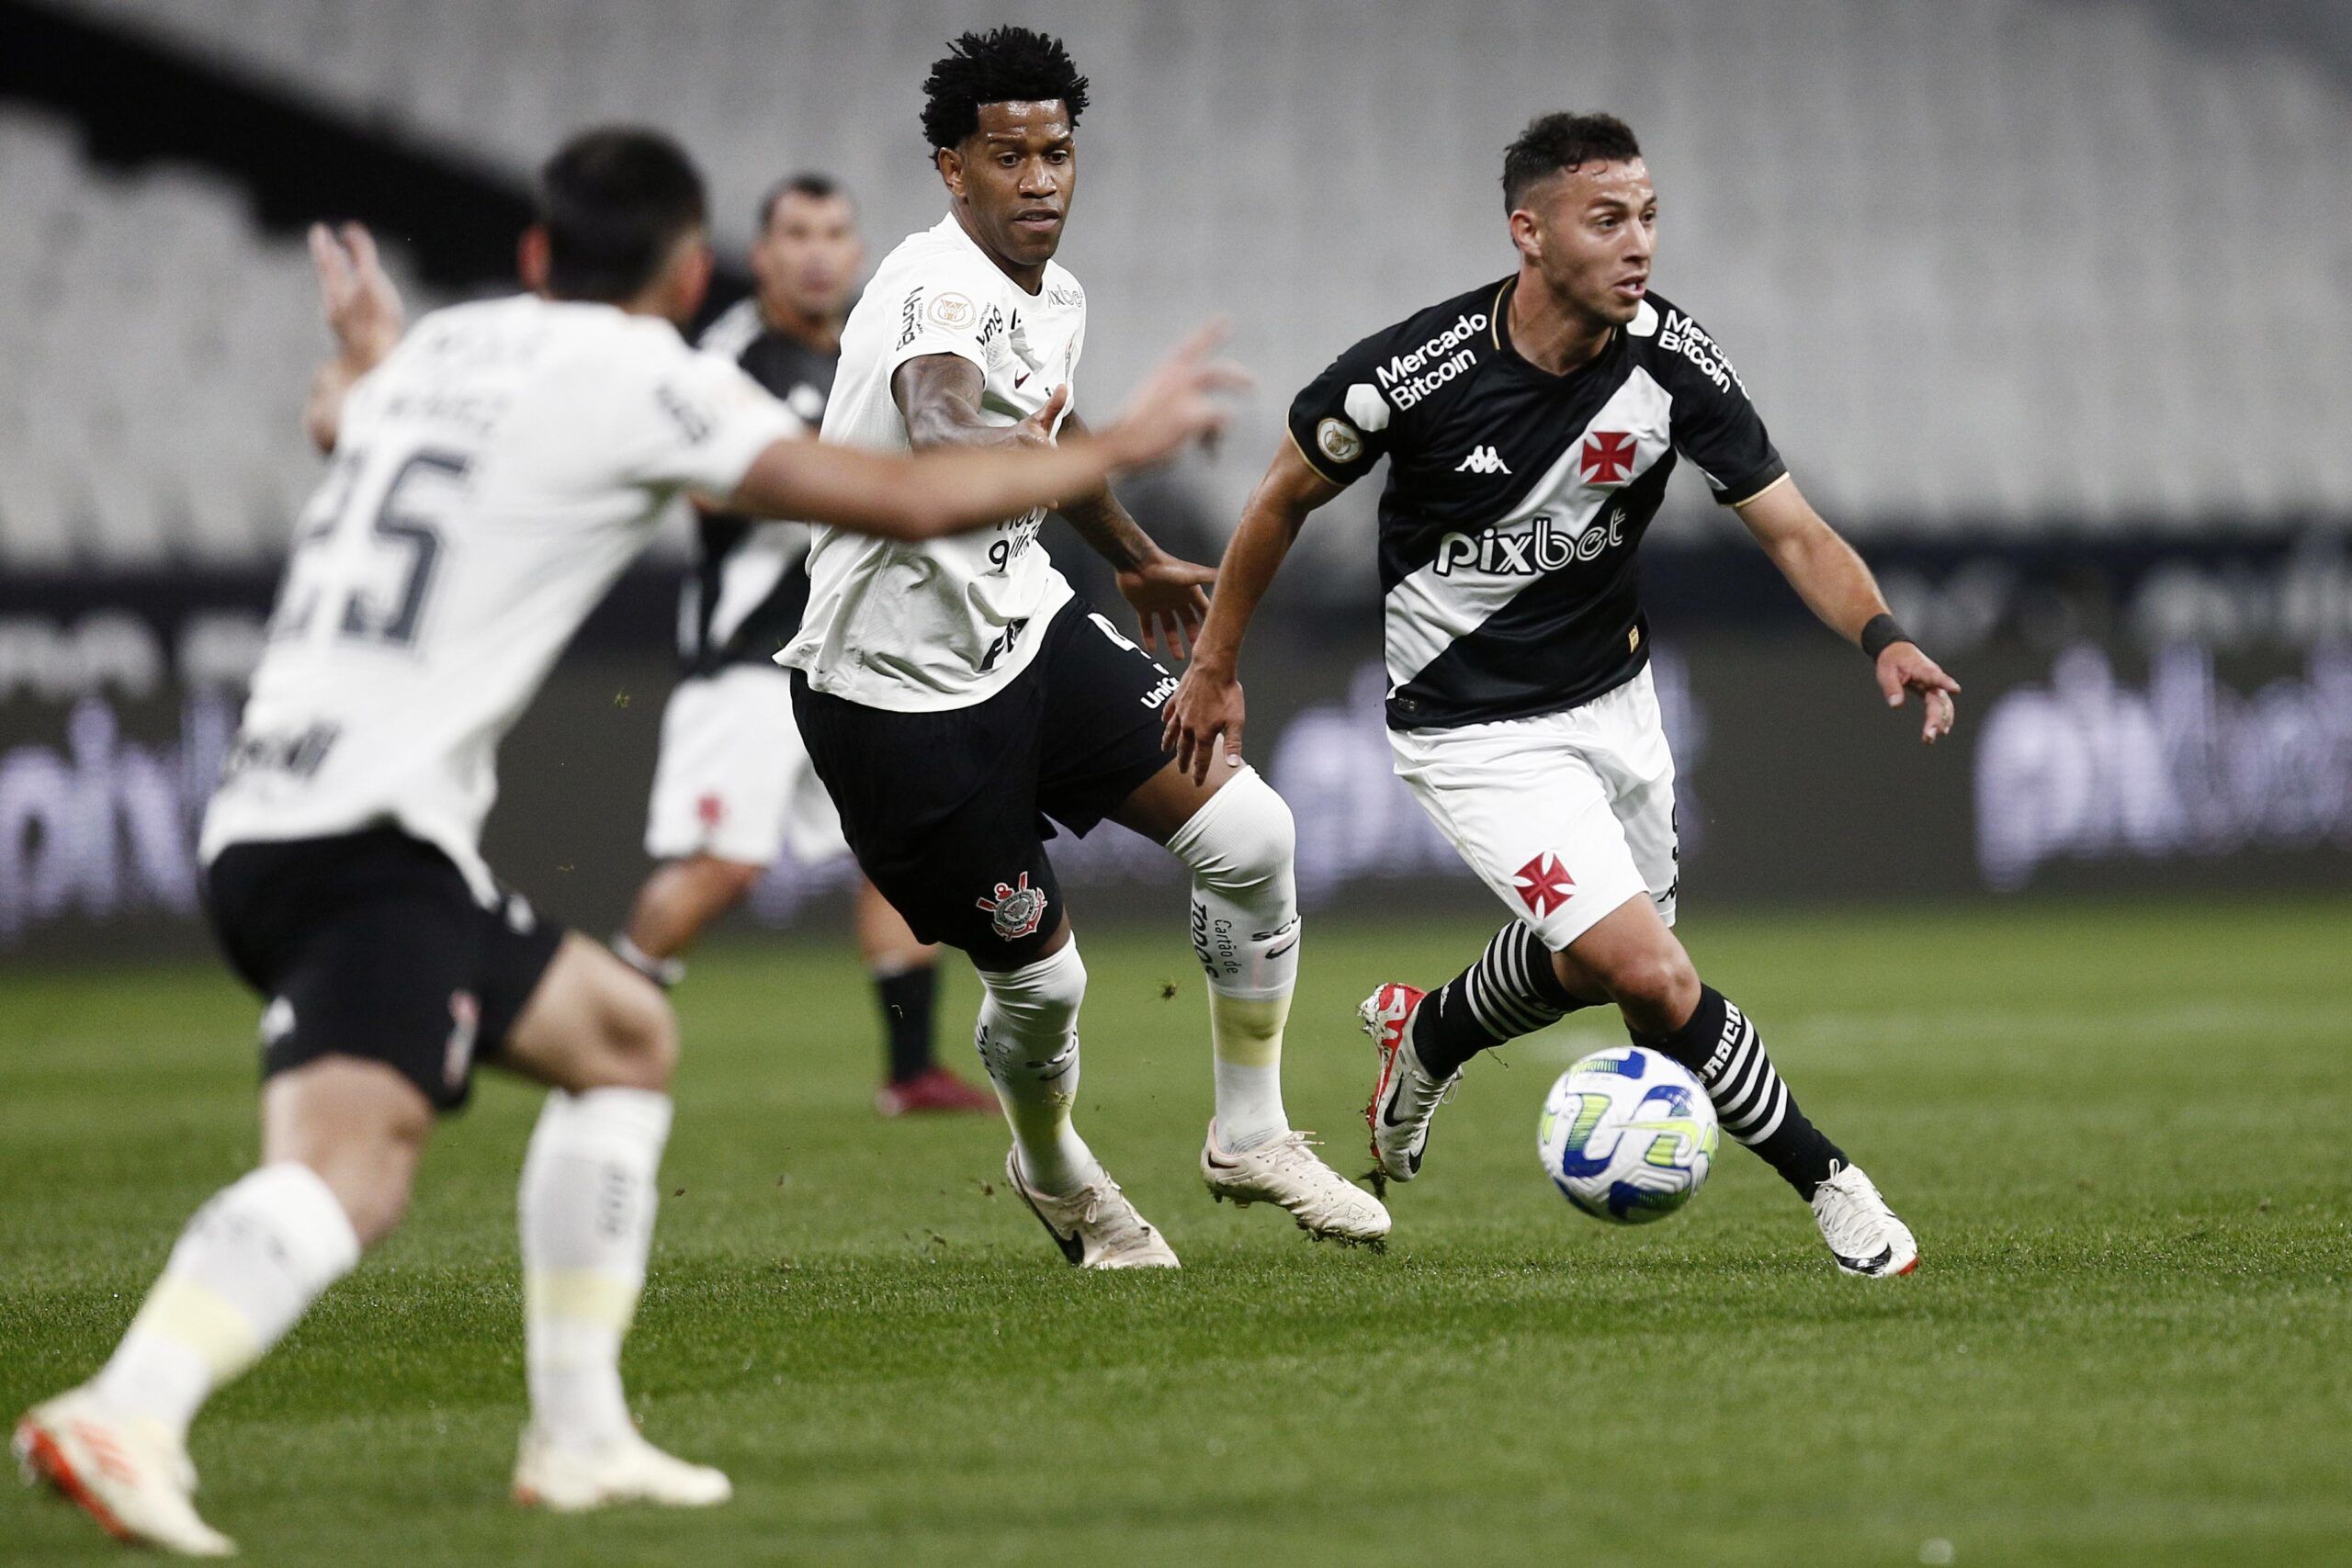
column 733, row 779
column 1565, row 814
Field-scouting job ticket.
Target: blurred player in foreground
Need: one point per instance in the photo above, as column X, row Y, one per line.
column 733, row 784
column 1529, row 426
column 506, row 460
column 955, row 694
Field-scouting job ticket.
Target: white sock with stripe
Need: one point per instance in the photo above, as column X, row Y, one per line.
column 1245, row 931
column 248, row 1266
column 587, row 1204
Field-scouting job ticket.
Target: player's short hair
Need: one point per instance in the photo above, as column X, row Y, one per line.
column 807, row 183
column 1004, row 65
column 1556, row 143
column 614, row 202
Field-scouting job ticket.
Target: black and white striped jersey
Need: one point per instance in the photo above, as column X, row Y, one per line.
column 1516, row 498
column 750, row 585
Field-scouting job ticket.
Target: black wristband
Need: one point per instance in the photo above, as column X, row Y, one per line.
column 1882, row 632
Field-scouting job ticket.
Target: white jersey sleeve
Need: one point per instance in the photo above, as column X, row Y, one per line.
column 695, row 423
column 949, row 306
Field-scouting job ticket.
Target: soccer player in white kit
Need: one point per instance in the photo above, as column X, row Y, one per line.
column 955, row 694
column 1530, row 426
column 490, row 479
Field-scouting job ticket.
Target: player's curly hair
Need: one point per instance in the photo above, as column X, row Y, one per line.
column 1003, row 65
column 1554, row 143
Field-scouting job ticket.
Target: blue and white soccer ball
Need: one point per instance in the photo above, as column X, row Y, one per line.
column 1627, row 1135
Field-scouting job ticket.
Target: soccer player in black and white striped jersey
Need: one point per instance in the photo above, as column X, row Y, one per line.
column 1531, row 424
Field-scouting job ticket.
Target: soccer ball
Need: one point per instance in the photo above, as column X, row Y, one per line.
column 1627, row 1135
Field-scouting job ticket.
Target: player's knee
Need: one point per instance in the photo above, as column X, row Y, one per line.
column 1044, row 995
column 640, row 1043
column 1243, row 837
column 1656, row 988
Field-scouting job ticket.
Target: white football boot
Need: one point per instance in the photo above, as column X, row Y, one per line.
column 1095, row 1226
column 127, row 1473
column 1863, row 1234
column 569, row 1479
column 1287, row 1172
column 1404, row 1094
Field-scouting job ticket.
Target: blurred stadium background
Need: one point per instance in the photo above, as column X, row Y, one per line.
column 2048, row 304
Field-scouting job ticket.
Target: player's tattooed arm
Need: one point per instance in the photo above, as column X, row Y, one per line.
column 1838, row 588
column 362, row 310
column 939, row 397
column 1207, row 706
column 954, row 490
column 1165, row 592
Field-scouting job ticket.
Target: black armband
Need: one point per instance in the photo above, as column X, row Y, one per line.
column 1882, row 632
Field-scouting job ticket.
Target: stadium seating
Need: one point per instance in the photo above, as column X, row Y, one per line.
column 157, row 349
column 1989, row 265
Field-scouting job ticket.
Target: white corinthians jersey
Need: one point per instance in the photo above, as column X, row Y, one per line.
column 1516, row 498
column 491, row 478
column 945, row 623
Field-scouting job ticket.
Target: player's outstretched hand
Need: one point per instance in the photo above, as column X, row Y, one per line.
column 1180, row 402
column 361, row 304
column 1168, row 601
column 1037, row 430
column 1903, row 668
column 1206, row 709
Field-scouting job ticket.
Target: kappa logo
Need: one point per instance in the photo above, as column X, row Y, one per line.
column 1544, row 884
column 1016, row 910
column 1607, row 458
column 1483, row 460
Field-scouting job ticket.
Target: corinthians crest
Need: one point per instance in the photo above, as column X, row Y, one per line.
column 1017, row 910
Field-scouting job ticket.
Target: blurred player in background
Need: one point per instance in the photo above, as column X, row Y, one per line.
column 955, row 696
column 1529, row 426
column 733, row 785
column 490, row 479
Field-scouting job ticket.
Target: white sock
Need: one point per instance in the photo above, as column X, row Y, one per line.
column 587, row 1205
column 1028, row 1040
column 249, row 1264
column 1245, row 927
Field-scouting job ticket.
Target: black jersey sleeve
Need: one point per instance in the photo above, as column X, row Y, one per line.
column 1340, row 420
column 1715, row 425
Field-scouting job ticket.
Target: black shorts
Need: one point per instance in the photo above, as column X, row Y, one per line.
column 370, row 945
column 948, row 812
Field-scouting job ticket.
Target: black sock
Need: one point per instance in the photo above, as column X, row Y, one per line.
column 1510, row 991
column 1721, row 1048
column 906, row 999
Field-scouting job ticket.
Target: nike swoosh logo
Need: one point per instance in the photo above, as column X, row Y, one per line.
column 1388, row 1111
column 1019, row 380
column 1870, row 1265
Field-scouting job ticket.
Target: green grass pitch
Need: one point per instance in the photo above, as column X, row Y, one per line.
column 2120, row 1132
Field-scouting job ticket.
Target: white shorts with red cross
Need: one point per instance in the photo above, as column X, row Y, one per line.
column 1565, row 814
column 733, row 779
